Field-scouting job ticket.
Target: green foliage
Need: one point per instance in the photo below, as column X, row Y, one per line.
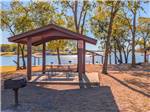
column 143, row 29
column 42, row 13
column 101, row 20
column 143, row 24
column 8, row 47
column 21, row 18
column 57, row 44
column 134, row 6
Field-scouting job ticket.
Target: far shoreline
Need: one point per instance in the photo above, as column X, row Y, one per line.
column 54, row 53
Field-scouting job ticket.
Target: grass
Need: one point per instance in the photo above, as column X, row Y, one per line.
column 7, row 69
column 12, row 69
column 7, row 72
column 7, row 53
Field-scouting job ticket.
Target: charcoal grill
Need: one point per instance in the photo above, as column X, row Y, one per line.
column 15, row 85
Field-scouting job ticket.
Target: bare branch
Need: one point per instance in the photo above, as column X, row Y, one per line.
column 9, row 26
column 82, row 10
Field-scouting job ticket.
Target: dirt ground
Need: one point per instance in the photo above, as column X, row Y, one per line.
column 131, row 89
column 124, row 89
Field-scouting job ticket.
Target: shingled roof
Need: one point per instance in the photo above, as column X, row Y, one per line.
column 48, row 33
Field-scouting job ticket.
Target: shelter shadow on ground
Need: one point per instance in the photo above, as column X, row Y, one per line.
column 38, row 98
column 135, row 83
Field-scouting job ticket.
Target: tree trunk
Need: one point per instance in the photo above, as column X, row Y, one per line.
column 145, row 56
column 104, row 70
column 145, row 52
column 125, row 56
column 120, row 51
column 112, row 16
column 18, row 55
column 133, row 41
column 128, row 52
column 23, row 57
column 109, row 58
column 107, row 44
column 58, row 55
column 120, row 55
column 115, row 55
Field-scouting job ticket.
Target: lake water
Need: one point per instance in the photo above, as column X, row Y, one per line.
column 8, row 60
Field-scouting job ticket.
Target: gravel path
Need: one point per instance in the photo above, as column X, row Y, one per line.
column 44, row 98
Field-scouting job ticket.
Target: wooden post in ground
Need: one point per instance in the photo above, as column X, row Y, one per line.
column 34, row 60
column 102, row 59
column 43, row 58
column 38, row 60
column 109, row 58
column 80, row 62
column 18, row 55
column 84, row 56
column 93, row 58
column 77, row 58
column 29, row 58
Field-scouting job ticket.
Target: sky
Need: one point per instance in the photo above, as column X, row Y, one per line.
column 5, row 34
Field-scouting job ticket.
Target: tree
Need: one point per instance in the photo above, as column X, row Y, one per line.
column 79, row 15
column 115, row 6
column 21, row 18
column 5, row 48
column 104, row 24
column 7, row 22
column 120, row 37
column 42, row 13
column 8, row 47
column 57, row 45
column 144, row 29
column 80, row 10
column 133, row 7
column 21, row 23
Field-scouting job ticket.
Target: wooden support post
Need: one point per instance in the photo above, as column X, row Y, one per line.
column 80, row 61
column 109, row 58
column 38, row 61
column 34, row 60
column 18, row 55
column 84, row 56
column 102, row 59
column 77, row 57
column 44, row 58
column 29, row 58
column 93, row 58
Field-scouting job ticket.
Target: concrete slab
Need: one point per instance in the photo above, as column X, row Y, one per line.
column 65, row 78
